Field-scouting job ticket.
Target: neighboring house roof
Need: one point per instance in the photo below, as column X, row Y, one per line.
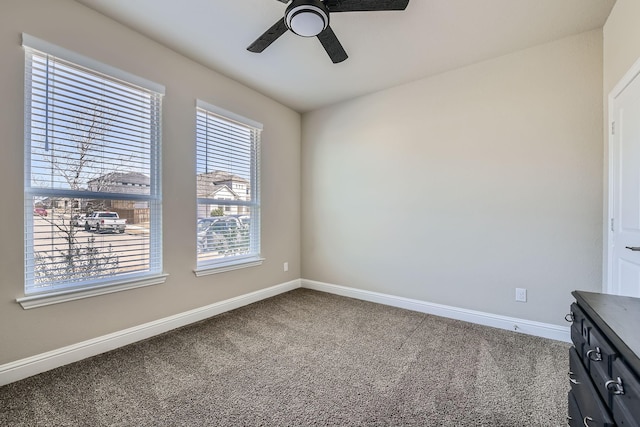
column 211, row 183
column 212, row 191
column 217, row 188
column 123, row 178
column 221, row 176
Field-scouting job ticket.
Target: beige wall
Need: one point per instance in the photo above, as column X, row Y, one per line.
column 459, row 188
column 68, row 24
column 621, row 47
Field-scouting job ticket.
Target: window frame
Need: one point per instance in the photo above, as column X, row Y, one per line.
column 73, row 290
column 254, row 258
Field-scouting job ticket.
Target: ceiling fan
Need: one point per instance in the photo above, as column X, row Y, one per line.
column 310, row 18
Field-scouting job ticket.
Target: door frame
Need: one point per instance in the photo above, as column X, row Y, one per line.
column 629, row 76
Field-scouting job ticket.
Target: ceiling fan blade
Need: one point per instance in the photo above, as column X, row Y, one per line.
column 365, row 5
column 269, row 36
column 332, row 45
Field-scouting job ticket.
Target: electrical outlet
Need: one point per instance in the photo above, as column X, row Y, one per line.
column 521, row 294
column 285, row 266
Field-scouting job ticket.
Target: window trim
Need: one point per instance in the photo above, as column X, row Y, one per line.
column 229, row 115
column 106, row 286
column 29, row 41
column 223, row 267
column 237, row 262
column 64, row 295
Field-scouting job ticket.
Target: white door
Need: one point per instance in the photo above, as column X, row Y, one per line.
column 624, row 186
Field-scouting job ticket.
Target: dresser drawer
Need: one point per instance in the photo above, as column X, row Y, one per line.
column 579, row 335
column 600, row 355
column 625, row 395
column 593, row 411
column 578, row 341
column 577, row 318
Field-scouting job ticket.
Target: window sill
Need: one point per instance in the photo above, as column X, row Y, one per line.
column 223, row 267
column 57, row 297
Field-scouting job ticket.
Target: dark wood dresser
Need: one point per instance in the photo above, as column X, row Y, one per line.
column 604, row 362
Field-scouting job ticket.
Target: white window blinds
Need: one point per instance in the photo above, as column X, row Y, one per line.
column 92, row 144
column 227, row 167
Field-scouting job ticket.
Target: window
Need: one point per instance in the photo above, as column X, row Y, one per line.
column 228, row 211
column 92, row 145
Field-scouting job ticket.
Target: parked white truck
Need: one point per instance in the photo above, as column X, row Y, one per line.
column 104, row 221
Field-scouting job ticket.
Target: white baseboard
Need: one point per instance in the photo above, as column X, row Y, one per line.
column 529, row 327
column 29, row 366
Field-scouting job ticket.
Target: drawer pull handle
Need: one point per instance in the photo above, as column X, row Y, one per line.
column 586, row 421
column 633, row 248
column 595, row 355
column 615, row 386
column 570, row 318
column 572, row 380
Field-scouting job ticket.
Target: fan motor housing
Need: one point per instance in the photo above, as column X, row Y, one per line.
column 307, row 18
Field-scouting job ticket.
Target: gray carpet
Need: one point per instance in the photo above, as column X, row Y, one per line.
column 307, row 358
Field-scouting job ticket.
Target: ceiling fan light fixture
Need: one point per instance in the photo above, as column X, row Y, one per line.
column 310, row 18
column 307, row 18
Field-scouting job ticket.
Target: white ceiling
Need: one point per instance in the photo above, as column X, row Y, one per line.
column 385, row 48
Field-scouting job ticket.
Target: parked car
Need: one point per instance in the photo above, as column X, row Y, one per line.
column 105, row 221
column 40, row 211
column 222, row 234
column 78, row 220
